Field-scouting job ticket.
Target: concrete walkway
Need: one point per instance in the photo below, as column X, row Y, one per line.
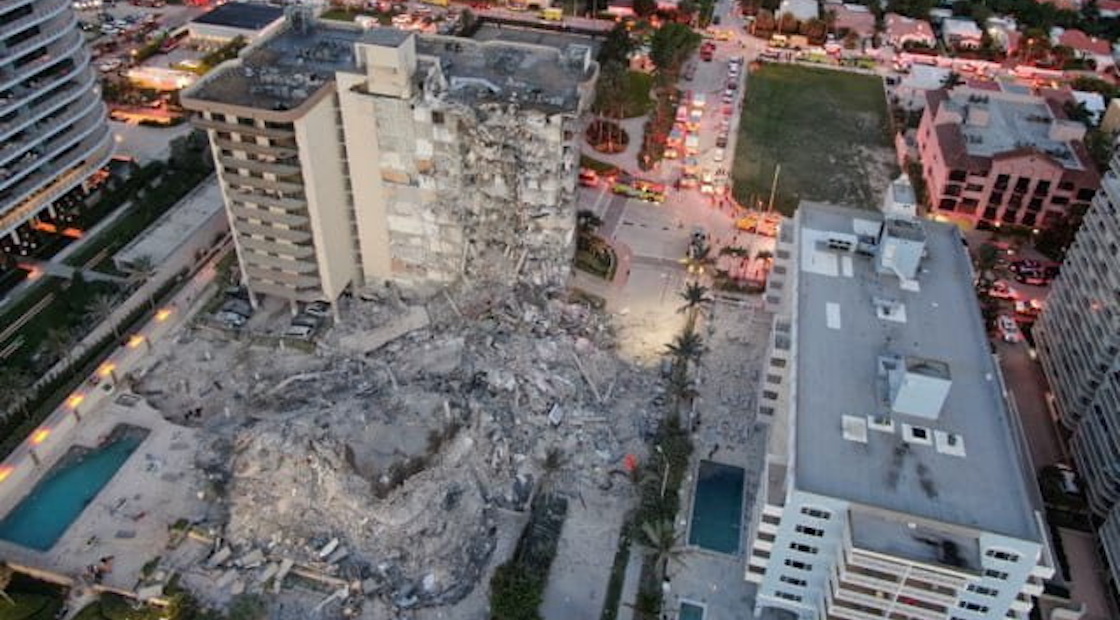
column 630, row 584
column 57, row 269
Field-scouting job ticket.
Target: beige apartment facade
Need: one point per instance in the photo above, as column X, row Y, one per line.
column 350, row 159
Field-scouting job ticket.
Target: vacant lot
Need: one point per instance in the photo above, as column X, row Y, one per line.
column 828, row 130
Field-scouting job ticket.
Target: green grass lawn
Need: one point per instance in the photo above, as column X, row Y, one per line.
column 829, row 130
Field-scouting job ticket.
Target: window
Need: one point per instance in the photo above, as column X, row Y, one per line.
column 1085, row 193
column 816, row 513
column 995, row 574
column 789, row 597
column 973, row 607
column 803, row 548
column 766, row 411
column 957, row 175
column 775, row 379
column 768, row 395
column 798, row 565
column 1005, row 556
column 778, row 362
column 979, row 589
column 437, row 118
column 793, row 581
column 809, row 531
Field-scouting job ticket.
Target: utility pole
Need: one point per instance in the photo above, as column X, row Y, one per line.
column 774, row 188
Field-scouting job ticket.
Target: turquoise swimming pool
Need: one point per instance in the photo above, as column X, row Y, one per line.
column 717, row 510
column 691, row 611
column 44, row 515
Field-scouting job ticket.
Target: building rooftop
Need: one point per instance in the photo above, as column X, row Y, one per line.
column 853, row 322
column 902, row 538
column 175, row 227
column 995, row 122
column 283, row 71
column 241, row 15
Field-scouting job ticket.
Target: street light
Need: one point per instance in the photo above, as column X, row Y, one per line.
column 163, row 314
column 73, row 402
column 665, row 475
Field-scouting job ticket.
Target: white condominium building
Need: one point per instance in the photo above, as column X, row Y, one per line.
column 1078, row 337
column 352, row 158
column 53, row 132
column 894, row 485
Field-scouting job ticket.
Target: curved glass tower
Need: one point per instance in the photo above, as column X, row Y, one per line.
column 53, row 132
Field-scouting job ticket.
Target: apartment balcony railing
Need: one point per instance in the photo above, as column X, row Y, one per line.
column 278, row 186
column 20, row 95
column 42, row 12
column 47, row 132
column 276, row 247
column 58, row 28
column 276, row 168
column 60, row 50
column 256, row 149
column 39, row 190
column 48, row 106
column 267, row 216
column 292, row 205
column 287, row 234
column 248, row 130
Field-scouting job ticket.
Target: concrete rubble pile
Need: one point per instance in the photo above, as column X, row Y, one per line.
column 390, row 471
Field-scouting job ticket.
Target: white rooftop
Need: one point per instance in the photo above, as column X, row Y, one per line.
column 173, row 228
column 958, row 467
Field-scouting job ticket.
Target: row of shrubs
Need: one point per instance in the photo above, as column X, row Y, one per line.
column 517, row 587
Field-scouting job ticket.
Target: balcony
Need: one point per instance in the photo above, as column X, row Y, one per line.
column 284, row 292
column 287, row 234
column 270, row 217
column 39, row 190
column 43, row 11
column 276, row 247
column 290, row 204
column 252, row 259
column 49, row 106
column 277, row 186
column 296, row 281
column 256, row 149
column 21, row 95
column 277, row 168
column 54, row 131
column 56, row 52
column 246, row 130
column 51, row 32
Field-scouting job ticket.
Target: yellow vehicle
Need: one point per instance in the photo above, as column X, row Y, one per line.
column 437, row 2
column 553, row 14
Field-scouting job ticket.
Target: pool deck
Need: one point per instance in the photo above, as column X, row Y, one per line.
column 727, row 435
column 130, row 517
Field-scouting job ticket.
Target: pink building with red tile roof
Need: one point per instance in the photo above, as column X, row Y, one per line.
column 856, row 18
column 1003, row 157
column 901, row 30
column 1088, row 47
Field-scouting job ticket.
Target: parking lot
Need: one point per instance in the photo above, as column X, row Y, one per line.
column 271, row 317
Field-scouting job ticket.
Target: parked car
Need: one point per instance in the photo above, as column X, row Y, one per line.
column 239, row 307
column 721, row 140
column 1028, row 307
column 1008, row 329
column 718, row 156
column 231, row 319
column 1031, row 280
column 318, row 309
column 298, row 331
column 1002, row 290
column 304, row 320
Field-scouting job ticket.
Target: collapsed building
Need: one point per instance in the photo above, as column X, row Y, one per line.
column 398, row 470
column 351, row 158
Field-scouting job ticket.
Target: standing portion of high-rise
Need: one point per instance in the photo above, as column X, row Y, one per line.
column 53, row 133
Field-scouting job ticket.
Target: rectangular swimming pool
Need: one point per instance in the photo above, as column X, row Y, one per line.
column 717, row 510
column 72, row 484
column 691, row 611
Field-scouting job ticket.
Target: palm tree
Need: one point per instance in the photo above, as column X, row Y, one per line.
column 952, row 79
column 554, row 460
column 6, row 573
column 101, row 307
column 697, row 301
column 59, row 343
column 664, row 545
column 142, row 268
column 688, row 346
column 15, row 387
